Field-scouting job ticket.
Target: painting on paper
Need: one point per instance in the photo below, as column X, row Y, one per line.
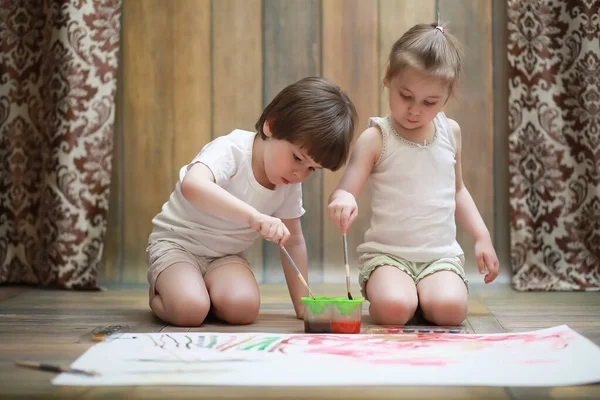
column 549, row 357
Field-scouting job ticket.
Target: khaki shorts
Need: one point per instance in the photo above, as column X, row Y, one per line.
column 162, row 254
column 416, row 270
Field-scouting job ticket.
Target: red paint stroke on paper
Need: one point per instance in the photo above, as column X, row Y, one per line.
column 394, row 349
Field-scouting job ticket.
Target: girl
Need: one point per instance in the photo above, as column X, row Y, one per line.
column 410, row 256
column 240, row 186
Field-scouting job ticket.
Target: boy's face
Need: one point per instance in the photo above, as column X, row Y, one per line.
column 286, row 163
column 415, row 99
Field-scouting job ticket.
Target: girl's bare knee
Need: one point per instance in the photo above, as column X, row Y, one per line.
column 445, row 310
column 393, row 310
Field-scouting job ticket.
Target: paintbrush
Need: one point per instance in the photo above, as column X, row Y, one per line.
column 297, row 271
column 54, row 368
column 347, row 266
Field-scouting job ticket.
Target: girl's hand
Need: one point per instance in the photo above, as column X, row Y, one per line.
column 270, row 228
column 342, row 210
column 486, row 258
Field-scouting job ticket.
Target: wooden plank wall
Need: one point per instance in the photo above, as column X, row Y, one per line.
column 472, row 105
column 193, row 70
column 237, row 81
column 292, row 38
column 350, row 58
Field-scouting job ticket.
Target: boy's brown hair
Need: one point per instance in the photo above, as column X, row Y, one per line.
column 429, row 48
column 314, row 115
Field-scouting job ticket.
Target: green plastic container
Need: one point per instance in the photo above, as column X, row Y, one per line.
column 332, row 314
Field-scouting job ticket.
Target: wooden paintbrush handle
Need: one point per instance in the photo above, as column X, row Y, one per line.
column 305, row 285
column 345, row 242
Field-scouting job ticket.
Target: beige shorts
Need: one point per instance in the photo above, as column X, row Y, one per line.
column 416, row 270
column 161, row 254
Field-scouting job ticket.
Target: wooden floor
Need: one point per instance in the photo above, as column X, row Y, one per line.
column 55, row 326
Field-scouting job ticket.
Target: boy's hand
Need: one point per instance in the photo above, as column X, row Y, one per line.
column 342, row 210
column 486, row 257
column 270, row 228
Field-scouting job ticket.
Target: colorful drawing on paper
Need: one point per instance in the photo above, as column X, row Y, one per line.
column 549, row 357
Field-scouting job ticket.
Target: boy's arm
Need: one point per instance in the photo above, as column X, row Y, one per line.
column 297, row 249
column 469, row 218
column 200, row 189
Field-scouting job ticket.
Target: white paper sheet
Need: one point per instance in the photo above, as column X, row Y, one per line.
column 549, row 357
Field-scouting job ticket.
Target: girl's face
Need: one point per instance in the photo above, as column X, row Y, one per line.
column 415, row 98
column 284, row 162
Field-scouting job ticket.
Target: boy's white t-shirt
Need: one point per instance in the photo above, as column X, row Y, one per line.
column 230, row 160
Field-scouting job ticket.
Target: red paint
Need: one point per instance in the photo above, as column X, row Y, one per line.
column 345, row 327
column 431, row 362
column 396, row 349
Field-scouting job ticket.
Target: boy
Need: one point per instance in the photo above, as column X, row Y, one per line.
column 240, row 186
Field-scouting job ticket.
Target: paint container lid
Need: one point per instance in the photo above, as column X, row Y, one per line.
column 343, row 304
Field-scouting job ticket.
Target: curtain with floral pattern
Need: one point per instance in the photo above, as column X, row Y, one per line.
column 554, row 143
column 58, row 76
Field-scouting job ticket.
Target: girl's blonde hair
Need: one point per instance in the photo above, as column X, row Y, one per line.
column 429, row 48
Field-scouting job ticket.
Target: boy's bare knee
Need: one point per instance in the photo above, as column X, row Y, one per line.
column 237, row 308
column 445, row 310
column 240, row 316
column 393, row 310
column 187, row 311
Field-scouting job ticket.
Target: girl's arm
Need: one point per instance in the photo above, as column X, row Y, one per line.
column 200, row 189
column 342, row 207
column 297, row 249
column 469, row 218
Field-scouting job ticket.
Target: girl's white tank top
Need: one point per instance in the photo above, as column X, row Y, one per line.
column 413, row 196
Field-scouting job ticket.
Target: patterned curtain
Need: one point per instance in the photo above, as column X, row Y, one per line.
column 57, row 87
column 554, row 143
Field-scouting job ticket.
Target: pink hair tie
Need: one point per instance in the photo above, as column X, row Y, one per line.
column 440, row 28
